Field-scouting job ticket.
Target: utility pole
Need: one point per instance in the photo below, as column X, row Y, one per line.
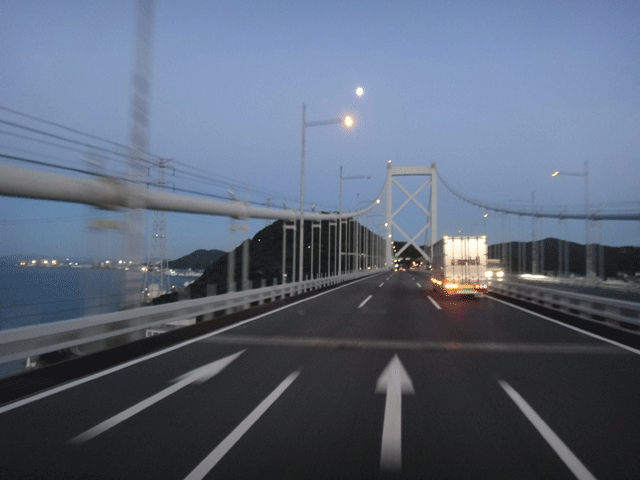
column 535, row 258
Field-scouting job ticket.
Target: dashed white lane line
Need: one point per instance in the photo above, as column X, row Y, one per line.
column 365, row 301
column 221, row 450
column 380, row 284
column 419, row 286
column 435, row 304
column 66, row 386
column 566, row 455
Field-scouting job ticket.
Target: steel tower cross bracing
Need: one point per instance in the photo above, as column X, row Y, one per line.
column 431, row 212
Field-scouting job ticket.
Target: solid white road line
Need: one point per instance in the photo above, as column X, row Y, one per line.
column 199, row 375
column 380, row 284
column 566, row 455
column 221, row 450
column 365, row 301
column 593, row 335
column 80, row 381
column 435, row 304
column 419, row 286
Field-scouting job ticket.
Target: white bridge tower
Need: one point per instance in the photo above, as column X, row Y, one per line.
column 431, row 212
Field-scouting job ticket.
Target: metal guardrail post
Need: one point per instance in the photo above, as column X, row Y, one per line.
column 25, row 342
column 618, row 314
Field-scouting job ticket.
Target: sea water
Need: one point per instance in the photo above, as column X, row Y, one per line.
column 38, row 295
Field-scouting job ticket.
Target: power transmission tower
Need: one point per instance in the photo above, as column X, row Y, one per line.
column 139, row 143
column 156, row 280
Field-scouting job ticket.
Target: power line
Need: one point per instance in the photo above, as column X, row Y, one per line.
column 229, row 181
column 225, row 182
column 53, row 144
column 64, row 127
column 77, row 142
column 47, row 164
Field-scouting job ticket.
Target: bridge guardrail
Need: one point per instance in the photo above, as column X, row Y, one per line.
column 620, row 314
column 25, row 342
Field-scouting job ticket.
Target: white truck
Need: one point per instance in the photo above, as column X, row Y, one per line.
column 460, row 265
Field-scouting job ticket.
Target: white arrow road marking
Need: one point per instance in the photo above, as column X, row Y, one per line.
column 435, row 304
column 394, row 381
column 365, row 301
column 221, row 450
column 198, row 375
column 566, row 455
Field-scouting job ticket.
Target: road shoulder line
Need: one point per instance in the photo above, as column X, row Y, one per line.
column 593, row 335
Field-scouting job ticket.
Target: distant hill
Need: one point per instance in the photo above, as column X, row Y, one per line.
column 616, row 260
column 265, row 258
column 198, row 260
column 265, row 261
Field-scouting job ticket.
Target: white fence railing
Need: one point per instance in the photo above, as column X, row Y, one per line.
column 619, row 314
column 25, row 342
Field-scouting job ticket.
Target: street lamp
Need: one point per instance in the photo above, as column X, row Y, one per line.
column 340, row 216
column 365, row 241
column 521, row 246
column 348, row 121
column 587, row 244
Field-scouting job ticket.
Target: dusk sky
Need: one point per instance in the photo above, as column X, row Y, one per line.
column 498, row 94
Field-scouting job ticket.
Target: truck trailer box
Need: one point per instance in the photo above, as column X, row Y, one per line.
column 460, row 265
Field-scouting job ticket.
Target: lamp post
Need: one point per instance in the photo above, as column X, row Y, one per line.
column 588, row 247
column 522, row 249
column 348, row 122
column 340, row 217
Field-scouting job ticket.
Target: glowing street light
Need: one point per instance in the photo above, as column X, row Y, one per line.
column 359, row 91
column 589, row 267
column 348, row 121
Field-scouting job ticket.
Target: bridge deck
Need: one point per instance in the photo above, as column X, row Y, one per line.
column 161, row 417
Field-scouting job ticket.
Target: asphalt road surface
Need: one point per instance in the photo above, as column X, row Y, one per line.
column 379, row 378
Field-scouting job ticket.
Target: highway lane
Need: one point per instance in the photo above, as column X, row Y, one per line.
column 459, row 422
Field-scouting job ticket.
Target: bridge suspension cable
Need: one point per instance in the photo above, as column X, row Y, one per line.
column 547, row 212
